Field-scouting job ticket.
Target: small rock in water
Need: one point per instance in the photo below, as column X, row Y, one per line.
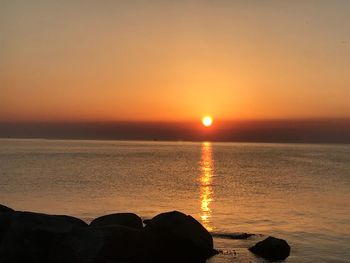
column 271, row 248
column 122, row 219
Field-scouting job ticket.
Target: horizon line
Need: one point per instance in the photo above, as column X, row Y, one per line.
column 316, row 130
column 165, row 141
column 223, row 120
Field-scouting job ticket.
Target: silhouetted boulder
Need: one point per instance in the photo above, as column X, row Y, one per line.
column 37, row 238
column 5, row 209
column 146, row 221
column 171, row 248
column 183, row 227
column 5, row 222
column 122, row 219
column 77, row 246
column 5, row 219
column 29, row 236
column 122, row 244
column 115, row 243
column 271, row 248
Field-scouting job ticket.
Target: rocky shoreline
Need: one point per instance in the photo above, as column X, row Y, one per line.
column 121, row 237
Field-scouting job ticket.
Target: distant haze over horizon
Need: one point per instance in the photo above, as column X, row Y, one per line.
column 173, row 61
column 283, row 131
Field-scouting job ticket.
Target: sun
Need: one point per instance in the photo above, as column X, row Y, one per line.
column 207, row 121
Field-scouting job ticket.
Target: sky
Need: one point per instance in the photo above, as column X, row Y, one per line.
column 81, row 61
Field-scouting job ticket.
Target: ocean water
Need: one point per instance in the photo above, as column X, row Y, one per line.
column 297, row 192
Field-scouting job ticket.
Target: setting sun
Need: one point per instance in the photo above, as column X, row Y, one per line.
column 207, row 121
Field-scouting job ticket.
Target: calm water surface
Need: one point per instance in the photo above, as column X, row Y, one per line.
column 297, row 192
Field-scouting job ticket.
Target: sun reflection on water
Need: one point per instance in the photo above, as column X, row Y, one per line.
column 206, row 190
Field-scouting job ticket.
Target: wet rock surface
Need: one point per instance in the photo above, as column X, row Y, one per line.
column 27, row 236
column 122, row 219
column 271, row 248
column 233, row 235
column 5, row 209
column 168, row 237
column 183, row 227
column 35, row 237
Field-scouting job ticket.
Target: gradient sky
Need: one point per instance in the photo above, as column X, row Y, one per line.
column 174, row 60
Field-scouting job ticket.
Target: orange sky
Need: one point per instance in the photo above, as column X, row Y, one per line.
column 174, row 60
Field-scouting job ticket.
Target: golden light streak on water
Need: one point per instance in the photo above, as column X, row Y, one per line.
column 206, row 189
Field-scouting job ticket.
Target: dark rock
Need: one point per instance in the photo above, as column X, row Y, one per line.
column 38, row 238
column 57, row 223
column 122, row 219
column 112, row 243
column 171, row 248
column 146, row 221
column 81, row 245
column 5, row 209
column 232, row 235
column 115, row 243
column 29, row 236
column 140, row 246
column 185, row 229
column 122, row 244
column 271, row 248
column 5, row 222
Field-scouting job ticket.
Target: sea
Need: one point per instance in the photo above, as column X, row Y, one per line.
column 298, row 192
